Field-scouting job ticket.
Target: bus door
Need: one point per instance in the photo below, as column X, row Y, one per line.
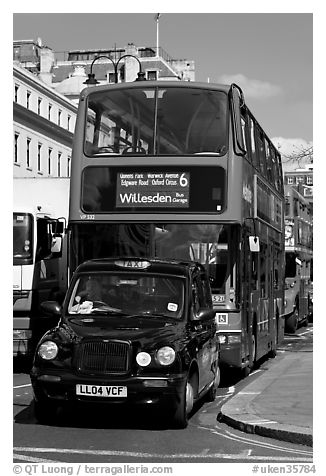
column 254, row 303
column 265, row 303
column 303, row 291
column 245, row 285
column 277, row 293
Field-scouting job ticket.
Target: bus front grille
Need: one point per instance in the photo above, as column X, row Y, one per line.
column 103, row 357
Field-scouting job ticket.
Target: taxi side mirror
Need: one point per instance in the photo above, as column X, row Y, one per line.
column 204, row 314
column 51, row 308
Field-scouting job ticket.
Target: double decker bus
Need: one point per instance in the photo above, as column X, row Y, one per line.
column 183, row 170
column 299, row 258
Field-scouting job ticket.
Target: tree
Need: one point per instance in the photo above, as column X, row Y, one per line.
column 302, row 155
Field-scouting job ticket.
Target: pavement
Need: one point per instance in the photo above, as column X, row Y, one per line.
column 278, row 403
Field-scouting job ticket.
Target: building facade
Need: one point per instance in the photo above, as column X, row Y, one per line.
column 302, row 180
column 43, row 126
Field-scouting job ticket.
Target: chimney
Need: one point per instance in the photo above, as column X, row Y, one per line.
column 46, row 64
column 131, row 64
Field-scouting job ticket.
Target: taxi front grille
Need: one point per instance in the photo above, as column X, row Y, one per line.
column 108, row 357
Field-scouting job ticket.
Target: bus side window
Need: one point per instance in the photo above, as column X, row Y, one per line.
column 261, row 150
column 254, row 154
column 274, row 168
column 247, row 137
column 270, row 171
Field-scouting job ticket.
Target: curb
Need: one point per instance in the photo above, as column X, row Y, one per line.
column 300, row 436
column 240, row 411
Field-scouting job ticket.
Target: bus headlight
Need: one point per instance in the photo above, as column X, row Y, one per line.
column 221, row 338
column 165, row 355
column 48, row 350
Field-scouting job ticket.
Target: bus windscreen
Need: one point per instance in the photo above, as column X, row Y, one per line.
column 157, row 121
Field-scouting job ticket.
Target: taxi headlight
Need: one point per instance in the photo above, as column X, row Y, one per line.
column 48, row 350
column 234, row 339
column 165, row 355
column 143, row 359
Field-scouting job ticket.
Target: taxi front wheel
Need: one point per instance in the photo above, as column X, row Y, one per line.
column 180, row 419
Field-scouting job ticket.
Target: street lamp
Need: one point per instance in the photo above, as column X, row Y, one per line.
column 91, row 76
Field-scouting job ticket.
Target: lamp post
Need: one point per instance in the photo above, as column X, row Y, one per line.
column 91, row 76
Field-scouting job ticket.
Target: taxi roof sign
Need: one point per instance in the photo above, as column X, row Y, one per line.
column 134, row 264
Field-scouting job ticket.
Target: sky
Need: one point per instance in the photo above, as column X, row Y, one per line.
column 270, row 55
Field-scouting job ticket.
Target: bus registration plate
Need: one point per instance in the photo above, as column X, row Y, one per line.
column 101, row 390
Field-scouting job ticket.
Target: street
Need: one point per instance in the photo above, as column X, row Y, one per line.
column 90, row 437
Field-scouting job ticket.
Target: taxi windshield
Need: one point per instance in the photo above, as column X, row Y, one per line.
column 127, row 294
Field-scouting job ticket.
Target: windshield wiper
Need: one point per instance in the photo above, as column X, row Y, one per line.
column 150, row 314
column 107, row 310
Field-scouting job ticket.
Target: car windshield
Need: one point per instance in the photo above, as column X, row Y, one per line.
column 127, row 294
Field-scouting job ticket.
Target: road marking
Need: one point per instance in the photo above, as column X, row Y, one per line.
column 231, row 436
column 309, row 331
column 33, row 459
column 268, row 445
column 248, row 393
column 21, row 386
column 132, row 454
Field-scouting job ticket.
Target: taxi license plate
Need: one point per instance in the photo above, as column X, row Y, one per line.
column 101, row 390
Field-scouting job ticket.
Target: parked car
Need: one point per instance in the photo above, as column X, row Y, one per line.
column 137, row 331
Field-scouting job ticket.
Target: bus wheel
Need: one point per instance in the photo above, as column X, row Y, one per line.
column 245, row 371
column 273, row 352
column 180, row 417
column 305, row 321
column 292, row 322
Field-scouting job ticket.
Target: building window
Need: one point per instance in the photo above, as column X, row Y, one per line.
column 68, row 166
column 49, row 112
column 16, row 148
column 49, row 161
column 39, row 157
column 59, row 117
column 59, row 164
column 309, row 180
column 69, row 122
column 16, row 92
column 39, row 104
column 28, row 153
column 28, row 99
column 152, row 75
column 290, row 180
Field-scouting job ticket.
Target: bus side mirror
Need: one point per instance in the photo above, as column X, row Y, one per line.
column 254, row 244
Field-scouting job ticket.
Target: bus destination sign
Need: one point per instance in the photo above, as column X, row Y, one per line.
column 152, row 189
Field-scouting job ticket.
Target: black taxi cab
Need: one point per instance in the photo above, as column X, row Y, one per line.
column 131, row 330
